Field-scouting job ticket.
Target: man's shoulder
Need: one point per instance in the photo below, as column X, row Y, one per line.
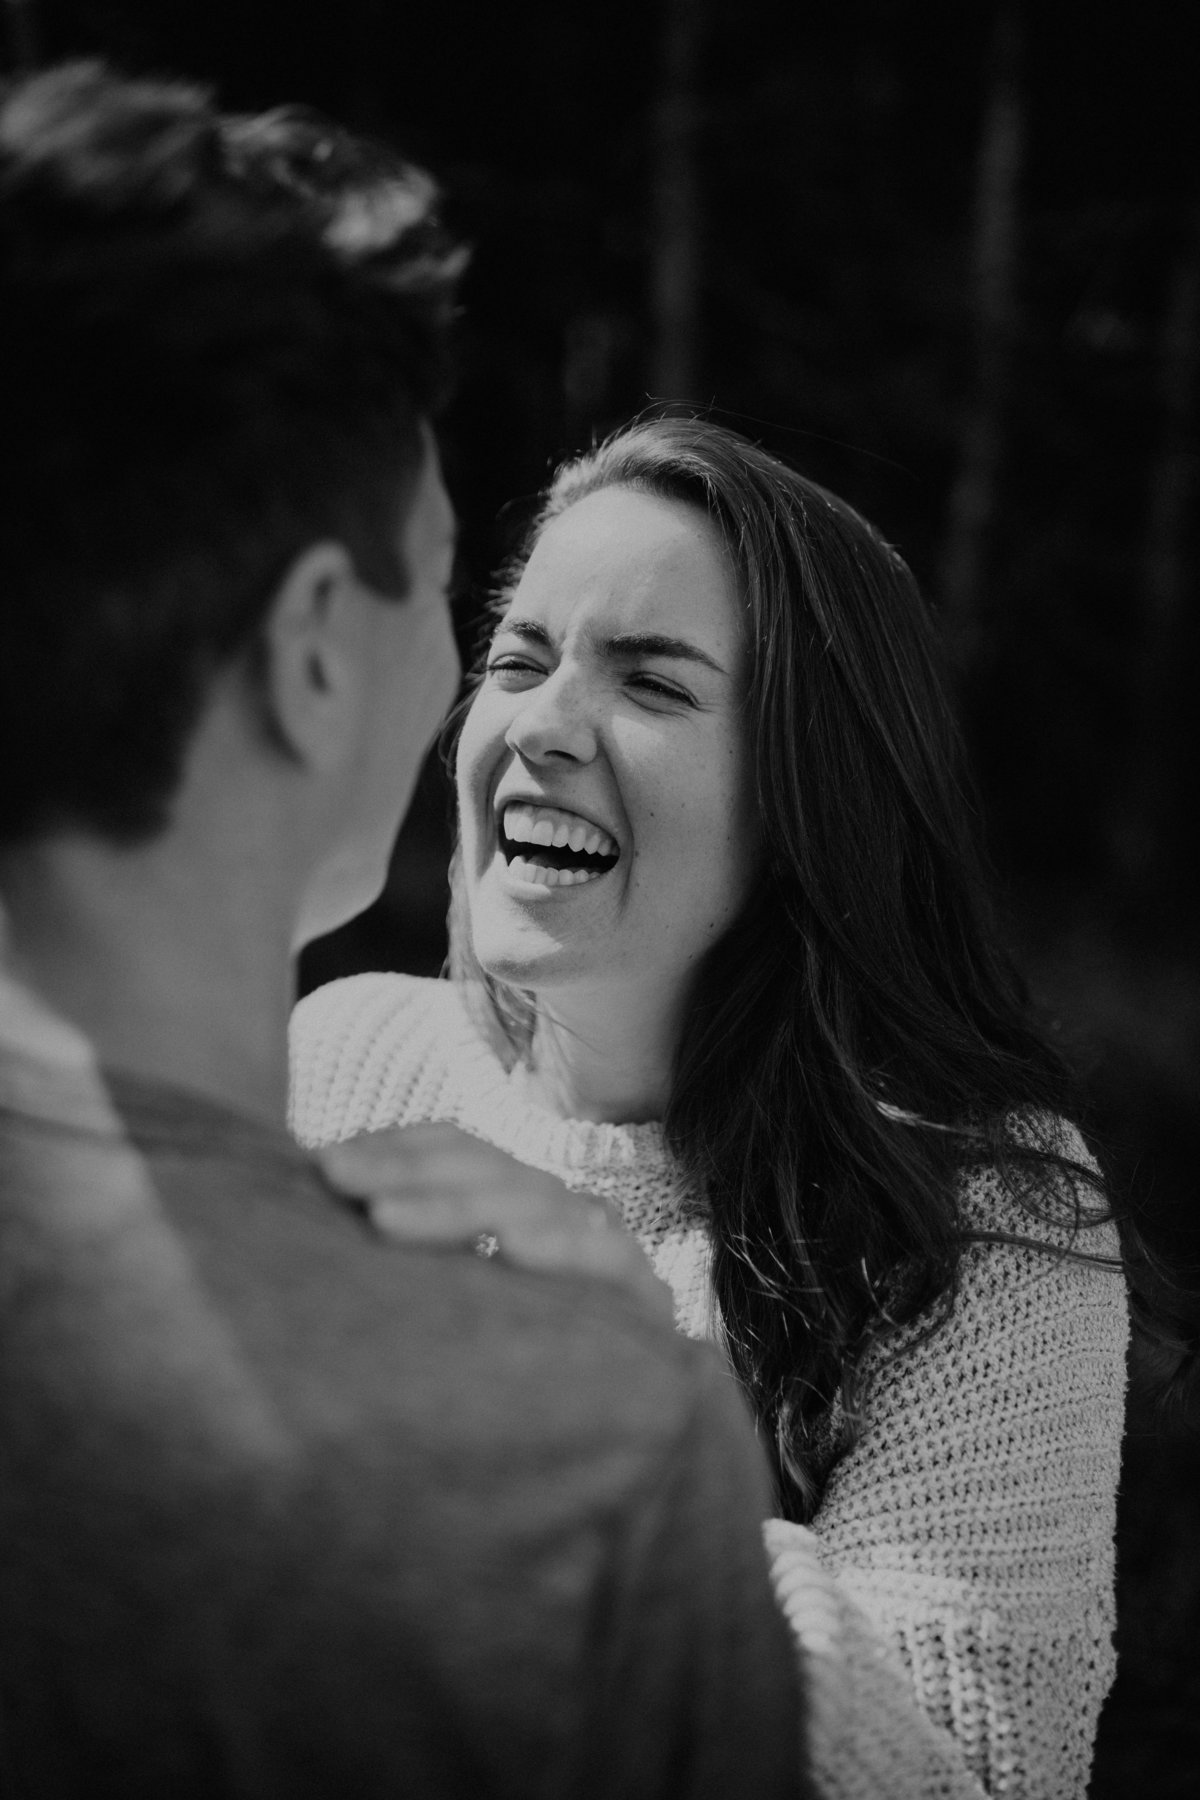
column 448, row 1345
column 236, row 1270
column 391, row 1337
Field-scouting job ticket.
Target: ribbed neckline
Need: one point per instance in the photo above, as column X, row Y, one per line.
column 583, row 1143
column 500, row 1104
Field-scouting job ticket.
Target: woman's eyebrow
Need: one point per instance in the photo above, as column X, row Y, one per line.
column 526, row 629
column 623, row 646
column 653, row 643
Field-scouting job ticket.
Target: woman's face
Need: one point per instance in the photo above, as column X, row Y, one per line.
column 608, row 829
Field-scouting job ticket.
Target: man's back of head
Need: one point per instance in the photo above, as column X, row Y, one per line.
column 220, row 338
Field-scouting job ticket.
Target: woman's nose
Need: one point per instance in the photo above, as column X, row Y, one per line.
column 553, row 720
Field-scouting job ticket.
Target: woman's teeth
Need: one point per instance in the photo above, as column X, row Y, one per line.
column 546, row 826
column 553, row 848
column 547, row 876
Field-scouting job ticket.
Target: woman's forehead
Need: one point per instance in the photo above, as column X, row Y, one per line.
column 622, row 560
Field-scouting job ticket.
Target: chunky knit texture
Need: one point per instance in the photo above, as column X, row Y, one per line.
column 954, row 1595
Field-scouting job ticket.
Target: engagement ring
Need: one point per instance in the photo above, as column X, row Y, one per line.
column 487, row 1244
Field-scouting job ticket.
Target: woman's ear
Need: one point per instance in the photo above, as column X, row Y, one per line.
column 311, row 646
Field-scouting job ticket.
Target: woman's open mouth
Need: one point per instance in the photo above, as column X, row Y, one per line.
column 554, row 848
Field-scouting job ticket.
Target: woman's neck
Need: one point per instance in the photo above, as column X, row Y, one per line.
column 603, row 1056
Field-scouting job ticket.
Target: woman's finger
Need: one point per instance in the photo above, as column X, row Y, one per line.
column 428, row 1160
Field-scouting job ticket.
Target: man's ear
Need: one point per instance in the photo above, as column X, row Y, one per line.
column 311, row 646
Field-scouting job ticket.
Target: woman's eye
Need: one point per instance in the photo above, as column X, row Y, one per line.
column 509, row 668
column 654, row 686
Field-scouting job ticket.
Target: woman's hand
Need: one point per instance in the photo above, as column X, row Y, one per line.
column 437, row 1185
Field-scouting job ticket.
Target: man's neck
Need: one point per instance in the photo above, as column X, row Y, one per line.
column 173, row 971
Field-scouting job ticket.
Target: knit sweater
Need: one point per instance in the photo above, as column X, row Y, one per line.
column 953, row 1597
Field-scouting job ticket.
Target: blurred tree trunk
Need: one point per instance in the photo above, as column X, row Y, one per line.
column 24, row 38
column 676, row 222
column 1164, row 578
column 1166, row 590
column 974, row 497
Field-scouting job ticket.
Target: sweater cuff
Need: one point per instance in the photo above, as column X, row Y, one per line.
column 867, row 1734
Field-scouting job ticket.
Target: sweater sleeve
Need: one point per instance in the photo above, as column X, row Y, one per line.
column 962, row 1555
column 377, row 1050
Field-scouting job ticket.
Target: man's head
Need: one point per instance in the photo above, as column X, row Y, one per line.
column 221, row 338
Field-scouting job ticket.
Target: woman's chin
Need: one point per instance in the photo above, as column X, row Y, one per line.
column 526, row 954
column 526, row 934
column 531, row 967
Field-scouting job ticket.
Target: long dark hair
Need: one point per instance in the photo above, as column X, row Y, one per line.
column 859, row 1036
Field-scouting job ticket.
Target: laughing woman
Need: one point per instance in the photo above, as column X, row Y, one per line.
column 724, row 956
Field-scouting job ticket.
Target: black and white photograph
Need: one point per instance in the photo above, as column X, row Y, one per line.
column 599, row 979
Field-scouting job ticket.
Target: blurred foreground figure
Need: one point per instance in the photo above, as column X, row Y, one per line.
column 287, row 1508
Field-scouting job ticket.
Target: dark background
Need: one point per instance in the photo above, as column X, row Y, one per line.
column 947, row 258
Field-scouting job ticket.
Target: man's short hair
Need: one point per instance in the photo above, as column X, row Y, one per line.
column 220, row 336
